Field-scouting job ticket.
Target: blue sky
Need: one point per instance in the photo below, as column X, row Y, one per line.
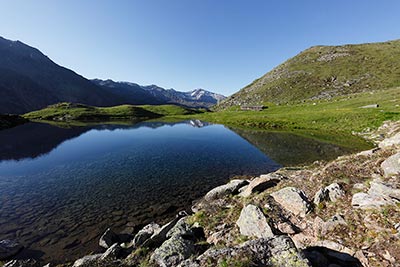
column 182, row 44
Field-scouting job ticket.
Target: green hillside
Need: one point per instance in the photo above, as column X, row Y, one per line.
column 322, row 72
column 84, row 113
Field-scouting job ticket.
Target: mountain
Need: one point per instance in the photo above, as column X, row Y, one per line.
column 322, row 72
column 153, row 94
column 29, row 80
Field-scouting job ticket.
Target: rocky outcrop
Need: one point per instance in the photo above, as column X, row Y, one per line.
column 9, row 248
column 87, row 261
column 293, row 200
column 261, row 183
column 253, row 223
column 228, row 189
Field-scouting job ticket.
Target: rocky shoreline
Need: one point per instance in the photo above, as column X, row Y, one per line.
column 340, row 213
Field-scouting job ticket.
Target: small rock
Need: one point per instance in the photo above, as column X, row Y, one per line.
column 228, row 189
column 371, row 106
column 321, row 196
column 391, row 165
column 108, row 239
column 286, row 228
column 173, row 251
column 388, row 257
column 293, row 200
column 9, row 248
column 87, row 261
column 359, row 186
column 252, row 222
column 378, row 188
column 368, row 153
column 261, row 183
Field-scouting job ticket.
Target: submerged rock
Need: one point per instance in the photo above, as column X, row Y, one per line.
column 252, row 222
column 9, row 248
column 293, row 200
column 227, row 189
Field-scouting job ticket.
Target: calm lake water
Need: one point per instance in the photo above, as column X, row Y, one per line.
column 60, row 188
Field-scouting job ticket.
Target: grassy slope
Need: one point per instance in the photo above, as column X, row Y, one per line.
column 323, row 72
column 78, row 112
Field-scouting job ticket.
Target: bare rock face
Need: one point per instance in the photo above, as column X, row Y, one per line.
column 9, row 248
column 227, row 189
column 391, row 166
column 261, row 183
column 293, row 200
column 252, row 222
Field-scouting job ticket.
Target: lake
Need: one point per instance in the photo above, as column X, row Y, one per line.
column 60, row 188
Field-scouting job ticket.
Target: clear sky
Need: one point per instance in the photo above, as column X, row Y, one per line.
column 186, row 44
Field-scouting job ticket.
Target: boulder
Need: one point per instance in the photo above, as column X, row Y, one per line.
column 293, row 200
column 111, row 253
column 330, row 193
column 228, row 189
column 108, row 239
column 160, row 235
column 277, row 251
column 252, row 222
column 261, row 183
column 87, row 261
column 388, row 142
column 391, row 165
column 144, row 234
column 368, row 201
column 180, row 245
column 379, row 188
column 9, row 248
column 173, row 251
column 335, row 191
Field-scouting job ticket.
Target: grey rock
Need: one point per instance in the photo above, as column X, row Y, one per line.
column 321, row 196
column 335, row 191
column 173, row 251
column 9, row 248
column 144, row 234
column 252, row 222
column 277, row 251
column 161, row 235
column 388, row 142
column 391, row 165
column 378, row 188
column 293, row 200
column 189, row 263
column 87, row 261
column 111, row 253
column 108, row 239
column 330, row 193
column 228, row 189
column 368, row 201
column 181, row 228
column 261, row 183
